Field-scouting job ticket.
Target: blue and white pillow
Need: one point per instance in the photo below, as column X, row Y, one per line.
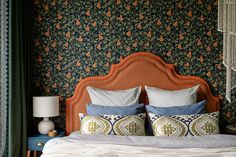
column 96, row 110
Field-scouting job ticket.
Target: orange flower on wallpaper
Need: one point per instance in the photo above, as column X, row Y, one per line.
column 199, row 43
column 87, row 28
column 209, row 33
column 99, row 5
column 141, row 17
column 94, row 24
column 127, row 7
column 135, row 3
column 118, row 2
column 94, row 65
column 100, row 37
column 37, row 43
column 58, row 67
column 208, row 48
column 47, row 34
column 60, row 57
column 80, row 39
column 135, row 44
column 68, row 75
column 87, row 13
column 175, row 23
column 215, row 44
column 208, row 73
column 189, row 54
column 201, row 59
column 98, row 46
column 128, row 33
column 187, row 24
column 39, row 18
column 120, row 18
column 158, row 22
column 161, row 38
column 88, row 54
column 66, row 45
column 108, row 54
column 190, row 13
column 58, row 26
column 181, row 37
column 53, row 3
column 127, row 48
column 179, row 5
column 54, row 85
column 77, row 22
column 54, row 44
column 118, row 42
column 39, row 59
column 139, row 26
column 168, row 28
column 59, row 16
column 87, row 69
column 45, row 7
column 169, row 53
column 68, row 34
column 169, row 13
column 106, row 24
column 201, row 18
column 46, row 49
column 78, row 64
column 109, row 13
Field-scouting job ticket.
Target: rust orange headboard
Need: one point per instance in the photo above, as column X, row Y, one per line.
column 138, row 69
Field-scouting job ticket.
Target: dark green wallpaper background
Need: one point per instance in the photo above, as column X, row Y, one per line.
column 74, row 39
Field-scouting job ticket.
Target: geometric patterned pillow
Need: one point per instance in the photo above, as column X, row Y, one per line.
column 185, row 125
column 113, row 124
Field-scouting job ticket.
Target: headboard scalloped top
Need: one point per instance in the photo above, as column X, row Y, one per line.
column 138, row 69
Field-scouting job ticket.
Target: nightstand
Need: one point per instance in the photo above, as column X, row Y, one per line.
column 36, row 142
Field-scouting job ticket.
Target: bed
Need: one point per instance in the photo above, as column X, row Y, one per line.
column 138, row 69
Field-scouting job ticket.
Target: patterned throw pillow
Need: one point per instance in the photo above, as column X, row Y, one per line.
column 185, row 125
column 113, row 124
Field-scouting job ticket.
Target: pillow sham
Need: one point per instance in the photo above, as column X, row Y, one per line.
column 113, row 124
column 115, row 98
column 166, row 98
column 96, row 110
column 185, row 125
column 197, row 108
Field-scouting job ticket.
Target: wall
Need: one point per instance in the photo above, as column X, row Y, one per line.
column 76, row 39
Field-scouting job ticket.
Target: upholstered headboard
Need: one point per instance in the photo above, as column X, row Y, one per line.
column 138, row 69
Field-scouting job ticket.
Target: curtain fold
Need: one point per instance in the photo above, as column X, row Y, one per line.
column 4, row 73
column 20, row 75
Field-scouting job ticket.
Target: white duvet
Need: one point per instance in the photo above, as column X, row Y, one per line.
column 77, row 145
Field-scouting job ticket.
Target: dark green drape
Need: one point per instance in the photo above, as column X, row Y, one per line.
column 20, row 75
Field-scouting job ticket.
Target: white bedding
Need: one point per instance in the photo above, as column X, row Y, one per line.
column 77, row 145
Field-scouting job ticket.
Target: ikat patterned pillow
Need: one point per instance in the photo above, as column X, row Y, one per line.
column 185, row 125
column 113, row 124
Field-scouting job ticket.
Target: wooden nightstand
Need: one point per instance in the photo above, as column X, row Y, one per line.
column 36, row 142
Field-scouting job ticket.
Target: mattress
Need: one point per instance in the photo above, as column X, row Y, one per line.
column 140, row 146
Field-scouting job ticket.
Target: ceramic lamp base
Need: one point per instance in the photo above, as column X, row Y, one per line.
column 45, row 126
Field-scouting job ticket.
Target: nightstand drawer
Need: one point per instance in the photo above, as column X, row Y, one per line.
column 37, row 144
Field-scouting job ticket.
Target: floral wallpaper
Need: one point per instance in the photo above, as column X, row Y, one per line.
column 74, row 39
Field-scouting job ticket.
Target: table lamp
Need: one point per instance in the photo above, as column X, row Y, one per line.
column 45, row 106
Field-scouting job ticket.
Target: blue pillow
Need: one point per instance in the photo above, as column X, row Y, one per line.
column 197, row 108
column 95, row 110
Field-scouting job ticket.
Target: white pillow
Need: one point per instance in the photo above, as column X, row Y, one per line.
column 114, row 98
column 167, row 98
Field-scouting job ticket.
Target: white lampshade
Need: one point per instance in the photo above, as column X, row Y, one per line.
column 46, row 106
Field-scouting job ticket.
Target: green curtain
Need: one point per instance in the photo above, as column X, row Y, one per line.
column 20, row 76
